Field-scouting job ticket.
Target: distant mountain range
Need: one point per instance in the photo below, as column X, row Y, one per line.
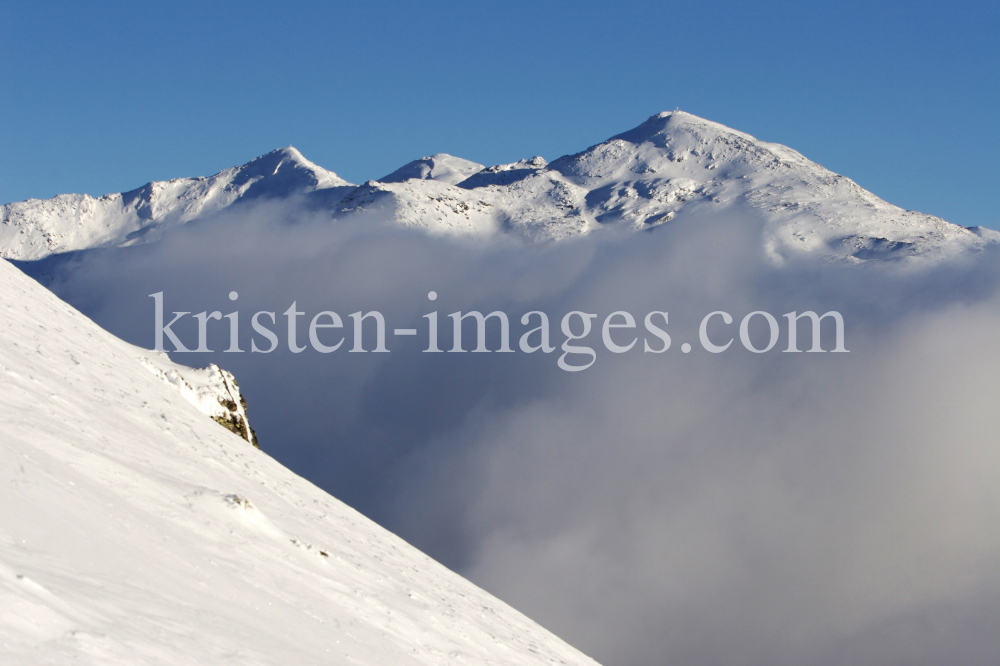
column 672, row 169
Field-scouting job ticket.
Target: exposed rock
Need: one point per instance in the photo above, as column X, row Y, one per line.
column 212, row 390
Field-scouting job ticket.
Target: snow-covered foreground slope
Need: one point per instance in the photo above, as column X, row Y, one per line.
column 212, row 390
column 136, row 530
column 675, row 168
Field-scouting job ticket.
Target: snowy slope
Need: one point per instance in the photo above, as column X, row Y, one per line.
column 36, row 228
column 136, row 531
column 676, row 163
column 442, row 167
column 212, row 390
column 675, row 168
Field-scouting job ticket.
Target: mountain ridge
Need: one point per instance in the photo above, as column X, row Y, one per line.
column 672, row 168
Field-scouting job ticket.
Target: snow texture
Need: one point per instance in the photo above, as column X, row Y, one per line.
column 212, row 390
column 441, row 167
column 35, row 228
column 673, row 168
column 135, row 531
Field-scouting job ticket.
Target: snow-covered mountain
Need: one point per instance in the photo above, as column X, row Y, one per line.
column 441, row 167
column 37, row 228
column 675, row 168
column 136, row 531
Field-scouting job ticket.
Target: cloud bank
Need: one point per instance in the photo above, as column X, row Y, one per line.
column 696, row 508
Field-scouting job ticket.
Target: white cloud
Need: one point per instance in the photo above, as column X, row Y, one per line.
column 733, row 508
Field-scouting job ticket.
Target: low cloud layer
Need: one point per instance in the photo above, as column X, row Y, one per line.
column 696, row 508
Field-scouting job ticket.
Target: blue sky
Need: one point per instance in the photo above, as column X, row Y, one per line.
column 903, row 97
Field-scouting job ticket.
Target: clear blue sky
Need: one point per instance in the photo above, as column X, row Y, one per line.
column 903, row 97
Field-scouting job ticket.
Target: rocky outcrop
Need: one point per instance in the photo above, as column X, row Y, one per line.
column 212, row 390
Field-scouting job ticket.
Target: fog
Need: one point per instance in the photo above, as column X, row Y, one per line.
column 732, row 508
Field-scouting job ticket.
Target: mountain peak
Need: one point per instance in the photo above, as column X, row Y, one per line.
column 675, row 165
column 671, row 122
column 33, row 229
column 441, row 167
column 286, row 170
